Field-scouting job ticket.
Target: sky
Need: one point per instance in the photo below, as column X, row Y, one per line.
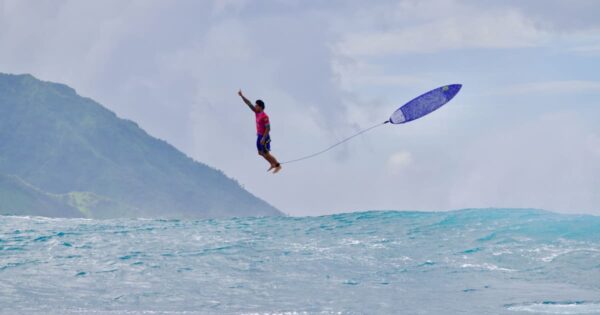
column 524, row 132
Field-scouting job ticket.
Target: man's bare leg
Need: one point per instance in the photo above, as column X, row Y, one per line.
column 274, row 163
column 269, row 159
column 272, row 160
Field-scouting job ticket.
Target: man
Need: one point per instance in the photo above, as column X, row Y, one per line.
column 263, row 141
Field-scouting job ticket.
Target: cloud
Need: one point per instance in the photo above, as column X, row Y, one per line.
column 326, row 69
column 224, row 6
column 587, row 50
column 552, row 87
column 593, row 144
column 356, row 74
column 399, row 161
column 505, row 29
column 555, row 15
column 534, row 163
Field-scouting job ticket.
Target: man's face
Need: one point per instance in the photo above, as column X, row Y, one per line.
column 258, row 108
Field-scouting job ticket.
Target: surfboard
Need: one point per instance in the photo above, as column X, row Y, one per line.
column 424, row 104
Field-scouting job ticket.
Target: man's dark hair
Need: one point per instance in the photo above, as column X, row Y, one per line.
column 260, row 103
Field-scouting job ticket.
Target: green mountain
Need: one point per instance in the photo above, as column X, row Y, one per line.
column 61, row 152
column 20, row 198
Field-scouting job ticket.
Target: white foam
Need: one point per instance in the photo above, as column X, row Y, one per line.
column 486, row 266
column 558, row 308
column 558, row 253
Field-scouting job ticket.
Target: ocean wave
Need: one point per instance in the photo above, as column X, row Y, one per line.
column 381, row 262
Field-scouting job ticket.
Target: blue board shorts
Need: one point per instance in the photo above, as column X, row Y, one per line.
column 263, row 148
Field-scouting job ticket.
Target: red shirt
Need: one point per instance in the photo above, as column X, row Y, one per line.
column 262, row 120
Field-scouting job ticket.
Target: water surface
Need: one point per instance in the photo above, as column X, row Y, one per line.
column 492, row 261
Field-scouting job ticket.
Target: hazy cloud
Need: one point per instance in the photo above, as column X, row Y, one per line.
column 542, row 163
column 328, row 69
column 553, row 87
column 499, row 30
column 399, row 161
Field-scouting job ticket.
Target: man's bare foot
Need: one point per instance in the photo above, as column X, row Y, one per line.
column 277, row 169
column 270, row 168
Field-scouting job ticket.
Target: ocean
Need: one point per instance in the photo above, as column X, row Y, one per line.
column 477, row 261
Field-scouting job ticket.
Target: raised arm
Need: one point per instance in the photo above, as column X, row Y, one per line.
column 247, row 101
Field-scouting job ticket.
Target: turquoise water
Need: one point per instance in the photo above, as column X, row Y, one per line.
column 492, row 261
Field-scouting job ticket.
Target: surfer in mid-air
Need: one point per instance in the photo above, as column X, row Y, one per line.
column 263, row 141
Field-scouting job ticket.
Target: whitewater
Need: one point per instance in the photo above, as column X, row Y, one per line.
column 480, row 261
